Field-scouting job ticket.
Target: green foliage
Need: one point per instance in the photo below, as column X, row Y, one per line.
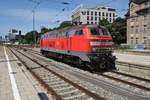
column 30, row 37
column 45, row 30
column 64, row 24
column 104, row 22
column 23, row 41
column 117, row 29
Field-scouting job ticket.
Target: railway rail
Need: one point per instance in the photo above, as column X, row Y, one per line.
column 128, row 79
column 55, row 83
column 116, row 78
column 133, row 65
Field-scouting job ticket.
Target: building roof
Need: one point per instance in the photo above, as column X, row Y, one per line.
column 98, row 7
column 138, row 1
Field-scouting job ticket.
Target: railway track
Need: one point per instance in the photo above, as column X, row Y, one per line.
column 56, row 84
column 138, row 82
column 128, row 79
column 132, row 80
column 132, row 65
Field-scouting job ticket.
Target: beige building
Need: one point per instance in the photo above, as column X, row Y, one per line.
column 138, row 23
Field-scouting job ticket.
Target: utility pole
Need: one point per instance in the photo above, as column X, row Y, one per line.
column 34, row 34
column 37, row 2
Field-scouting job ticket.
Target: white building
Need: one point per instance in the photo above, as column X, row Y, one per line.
column 87, row 15
column 14, row 35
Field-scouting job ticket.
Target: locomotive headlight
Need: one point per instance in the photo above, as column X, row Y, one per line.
column 95, row 43
column 94, row 49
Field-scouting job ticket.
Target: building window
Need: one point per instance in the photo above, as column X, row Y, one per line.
column 91, row 22
column 87, row 17
column 95, row 22
column 103, row 14
column 106, row 14
column 91, row 12
column 144, row 41
column 145, row 17
column 87, row 12
column 110, row 19
column 96, row 18
column 132, row 19
column 95, row 13
column 99, row 13
column 131, row 41
column 87, row 22
column 132, row 29
column 91, row 18
column 109, row 14
column 145, row 28
column 137, row 29
column 136, row 40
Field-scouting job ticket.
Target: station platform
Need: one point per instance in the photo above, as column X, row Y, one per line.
column 16, row 83
column 133, row 58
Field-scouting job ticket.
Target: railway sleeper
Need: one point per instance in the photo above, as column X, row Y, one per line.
column 70, row 93
column 76, row 97
column 66, row 89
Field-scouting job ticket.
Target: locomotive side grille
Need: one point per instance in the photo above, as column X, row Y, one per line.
column 98, row 43
column 101, row 50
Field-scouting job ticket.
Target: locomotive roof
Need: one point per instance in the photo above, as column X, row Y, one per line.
column 67, row 28
column 71, row 28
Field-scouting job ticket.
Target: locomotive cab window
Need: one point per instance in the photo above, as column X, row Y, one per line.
column 99, row 31
column 80, row 32
column 105, row 32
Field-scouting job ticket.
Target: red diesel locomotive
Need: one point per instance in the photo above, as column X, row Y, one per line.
column 88, row 46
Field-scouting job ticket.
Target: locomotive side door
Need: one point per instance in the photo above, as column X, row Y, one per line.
column 68, row 42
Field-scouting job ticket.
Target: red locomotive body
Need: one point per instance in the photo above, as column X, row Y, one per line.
column 85, row 45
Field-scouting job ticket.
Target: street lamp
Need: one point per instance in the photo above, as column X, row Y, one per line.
column 34, row 34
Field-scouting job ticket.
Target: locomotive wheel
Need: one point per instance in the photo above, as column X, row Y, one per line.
column 89, row 67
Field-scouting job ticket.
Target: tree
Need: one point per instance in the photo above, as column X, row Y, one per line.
column 44, row 30
column 106, row 24
column 117, row 29
column 65, row 24
column 30, row 37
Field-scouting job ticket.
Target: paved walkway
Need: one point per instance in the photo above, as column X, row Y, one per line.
column 5, row 84
column 139, row 59
column 28, row 87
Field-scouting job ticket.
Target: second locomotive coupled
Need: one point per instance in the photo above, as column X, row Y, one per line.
column 88, row 46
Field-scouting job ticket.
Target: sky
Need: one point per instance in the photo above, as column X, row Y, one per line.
column 17, row 14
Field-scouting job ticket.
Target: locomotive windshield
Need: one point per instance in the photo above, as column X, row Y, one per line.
column 99, row 31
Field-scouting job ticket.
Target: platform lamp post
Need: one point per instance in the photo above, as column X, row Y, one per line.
column 33, row 13
column 34, row 34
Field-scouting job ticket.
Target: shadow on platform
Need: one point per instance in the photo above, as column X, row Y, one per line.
column 43, row 96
